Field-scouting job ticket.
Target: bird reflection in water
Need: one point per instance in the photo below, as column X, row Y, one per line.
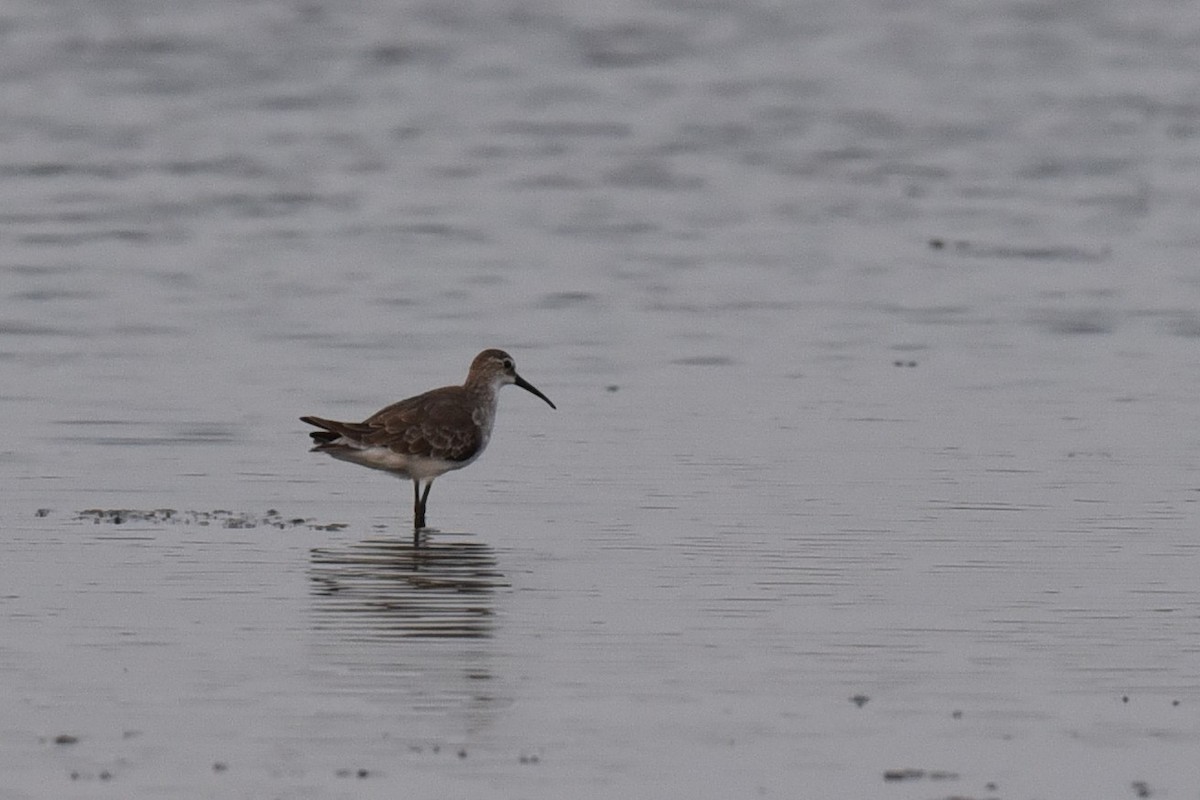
column 384, row 589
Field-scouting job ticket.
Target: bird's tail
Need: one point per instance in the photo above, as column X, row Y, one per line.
column 327, row 435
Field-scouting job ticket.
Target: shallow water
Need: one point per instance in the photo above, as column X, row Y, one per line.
column 874, row 332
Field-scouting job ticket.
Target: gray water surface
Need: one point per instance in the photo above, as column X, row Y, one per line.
column 874, row 331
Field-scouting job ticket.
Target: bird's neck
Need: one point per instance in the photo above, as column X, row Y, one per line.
column 482, row 393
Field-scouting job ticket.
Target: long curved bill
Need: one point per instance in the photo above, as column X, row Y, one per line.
column 529, row 387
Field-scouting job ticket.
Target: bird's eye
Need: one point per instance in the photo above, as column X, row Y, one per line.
column 508, row 364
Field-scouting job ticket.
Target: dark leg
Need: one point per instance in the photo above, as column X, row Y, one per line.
column 418, row 506
column 424, row 497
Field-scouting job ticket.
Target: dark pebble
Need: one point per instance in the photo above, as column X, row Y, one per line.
column 903, row 774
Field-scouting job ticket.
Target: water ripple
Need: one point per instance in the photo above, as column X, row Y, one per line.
column 385, row 589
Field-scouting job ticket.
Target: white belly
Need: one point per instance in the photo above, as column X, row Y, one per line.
column 405, row 466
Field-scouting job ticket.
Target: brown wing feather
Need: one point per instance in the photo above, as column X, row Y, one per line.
column 436, row 424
